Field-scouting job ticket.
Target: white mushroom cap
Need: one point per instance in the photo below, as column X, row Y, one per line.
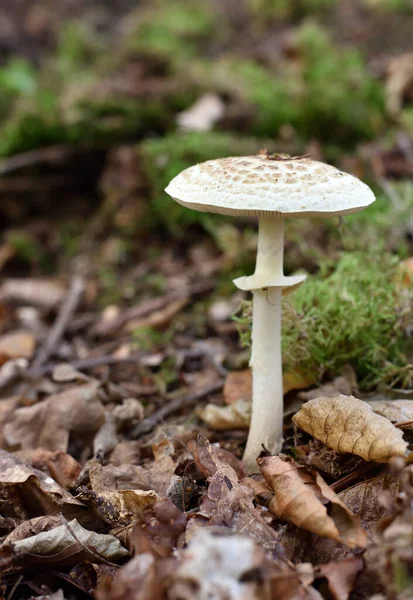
column 269, row 186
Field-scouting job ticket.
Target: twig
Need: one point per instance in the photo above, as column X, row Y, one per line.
column 174, row 406
column 87, row 363
column 34, row 157
column 144, row 309
column 65, row 314
column 15, row 586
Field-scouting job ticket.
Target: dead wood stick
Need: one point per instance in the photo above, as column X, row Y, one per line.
column 85, row 364
column 174, row 406
column 66, row 312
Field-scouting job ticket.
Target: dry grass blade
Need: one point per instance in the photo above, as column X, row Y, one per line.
column 347, row 424
column 303, row 498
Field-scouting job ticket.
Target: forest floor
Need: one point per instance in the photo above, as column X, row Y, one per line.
column 124, row 346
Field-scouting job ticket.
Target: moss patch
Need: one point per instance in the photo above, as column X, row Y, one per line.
column 352, row 313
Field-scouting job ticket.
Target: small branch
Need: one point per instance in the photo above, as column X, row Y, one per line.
column 173, row 406
column 63, row 318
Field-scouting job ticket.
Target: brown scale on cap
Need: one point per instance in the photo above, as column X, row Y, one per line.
column 272, row 185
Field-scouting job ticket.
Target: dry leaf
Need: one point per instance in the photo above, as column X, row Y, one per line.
column 347, row 424
column 301, row 497
column 25, row 492
column 346, row 384
column 238, row 386
column 158, row 529
column 397, row 411
column 48, row 424
column 341, row 576
column 61, row 466
column 46, row 293
column 67, row 544
column 19, row 344
column 221, row 567
column 203, row 114
column 142, row 578
column 235, row 416
column 229, row 504
column 117, row 506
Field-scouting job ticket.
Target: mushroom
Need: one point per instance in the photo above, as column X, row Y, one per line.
column 272, row 188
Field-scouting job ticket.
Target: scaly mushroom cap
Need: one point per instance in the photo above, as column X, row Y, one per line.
column 269, row 186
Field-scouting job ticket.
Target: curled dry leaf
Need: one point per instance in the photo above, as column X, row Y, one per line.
column 347, row 424
column 117, row 506
column 48, row 424
column 235, row 416
column 303, row 498
column 61, row 466
column 228, row 504
column 25, row 492
column 66, row 544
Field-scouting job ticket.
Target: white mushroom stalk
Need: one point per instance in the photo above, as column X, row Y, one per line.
column 271, row 188
column 267, row 400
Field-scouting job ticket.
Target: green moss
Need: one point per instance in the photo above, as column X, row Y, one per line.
column 391, row 5
column 351, row 313
column 163, row 158
column 176, row 30
column 267, row 10
column 325, row 91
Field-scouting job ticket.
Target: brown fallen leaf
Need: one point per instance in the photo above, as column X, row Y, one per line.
column 7, row 408
column 229, row 504
column 61, row 466
column 235, row 416
column 46, row 293
column 158, row 529
column 31, row 527
column 142, row 578
column 18, row 344
column 26, row 492
column 347, row 424
column 67, row 544
column 346, row 384
column 48, row 424
column 116, row 506
column 341, row 576
column 399, row 412
column 301, row 497
column 238, row 386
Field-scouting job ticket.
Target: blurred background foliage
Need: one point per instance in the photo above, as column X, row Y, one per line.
column 116, row 89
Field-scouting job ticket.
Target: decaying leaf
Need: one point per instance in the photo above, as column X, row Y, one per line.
column 47, row 293
column 303, row 498
column 238, row 386
column 399, row 412
column 229, row 504
column 341, row 576
column 68, row 543
column 235, row 416
column 347, row 424
column 26, row 492
column 61, row 466
column 158, row 529
column 221, row 567
column 116, row 506
column 47, row 424
column 142, row 578
column 18, row 344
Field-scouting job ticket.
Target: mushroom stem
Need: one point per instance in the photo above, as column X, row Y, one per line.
column 267, row 398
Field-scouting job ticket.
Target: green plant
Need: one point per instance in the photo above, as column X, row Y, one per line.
column 350, row 313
